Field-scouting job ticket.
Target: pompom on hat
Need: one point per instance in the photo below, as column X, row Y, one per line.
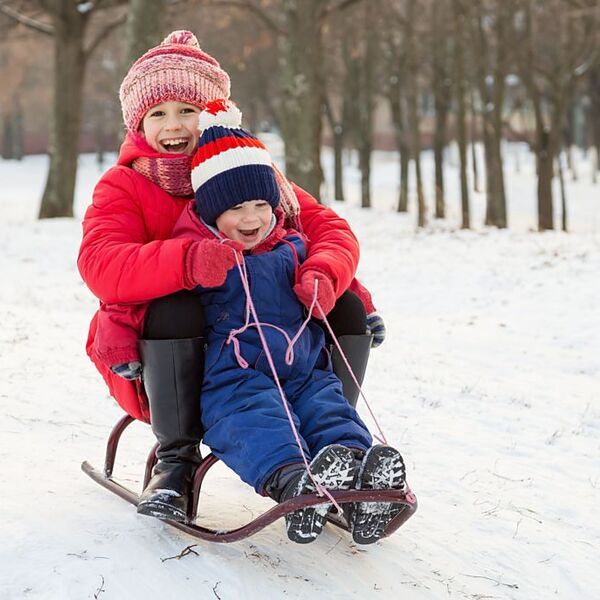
column 177, row 69
column 231, row 166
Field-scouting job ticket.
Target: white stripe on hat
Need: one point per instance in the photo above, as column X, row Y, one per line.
column 240, row 156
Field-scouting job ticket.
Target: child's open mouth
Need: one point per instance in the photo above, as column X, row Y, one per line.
column 249, row 234
column 175, row 145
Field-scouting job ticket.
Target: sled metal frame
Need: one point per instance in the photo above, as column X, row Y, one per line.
column 105, row 479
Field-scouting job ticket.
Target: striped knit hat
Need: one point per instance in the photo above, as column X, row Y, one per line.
column 178, row 70
column 231, row 166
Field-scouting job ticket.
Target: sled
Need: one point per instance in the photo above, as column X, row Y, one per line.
column 105, row 479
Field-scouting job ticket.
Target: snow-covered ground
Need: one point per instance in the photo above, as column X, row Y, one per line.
column 489, row 382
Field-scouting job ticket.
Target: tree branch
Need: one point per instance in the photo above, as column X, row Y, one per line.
column 251, row 7
column 583, row 12
column 343, row 5
column 15, row 15
column 103, row 33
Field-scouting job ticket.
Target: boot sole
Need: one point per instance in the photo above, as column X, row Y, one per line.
column 382, row 469
column 162, row 508
column 333, row 468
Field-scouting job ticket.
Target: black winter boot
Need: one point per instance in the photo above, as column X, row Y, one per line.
column 333, row 468
column 382, row 468
column 357, row 349
column 172, row 376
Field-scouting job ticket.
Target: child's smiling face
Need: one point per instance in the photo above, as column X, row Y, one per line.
column 247, row 222
column 172, row 127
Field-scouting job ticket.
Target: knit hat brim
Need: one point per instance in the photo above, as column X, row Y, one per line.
column 234, row 186
column 175, row 70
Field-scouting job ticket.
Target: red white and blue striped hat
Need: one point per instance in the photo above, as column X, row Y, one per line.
column 231, row 166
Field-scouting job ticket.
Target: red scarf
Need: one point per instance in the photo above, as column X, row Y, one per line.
column 171, row 173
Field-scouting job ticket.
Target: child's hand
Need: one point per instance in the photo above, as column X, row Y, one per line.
column 305, row 291
column 129, row 371
column 376, row 327
column 208, row 261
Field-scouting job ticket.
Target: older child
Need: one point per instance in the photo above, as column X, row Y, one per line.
column 243, row 414
column 143, row 277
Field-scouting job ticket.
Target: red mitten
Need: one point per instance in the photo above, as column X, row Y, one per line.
column 305, row 291
column 208, row 261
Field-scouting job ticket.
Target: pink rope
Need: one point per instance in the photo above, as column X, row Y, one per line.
column 232, row 338
column 381, row 437
column 321, row 491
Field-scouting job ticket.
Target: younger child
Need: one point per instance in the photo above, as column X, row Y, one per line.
column 245, row 423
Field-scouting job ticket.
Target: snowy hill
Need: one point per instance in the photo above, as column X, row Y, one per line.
column 488, row 382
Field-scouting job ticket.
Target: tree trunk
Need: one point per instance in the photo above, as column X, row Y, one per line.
column 492, row 99
column 338, row 162
column 416, row 152
column 594, row 91
column 404, row 175
column 144, row 27
column 337, row 132
column 65, row 122
column 439, row 143
column 544, row 193
column 18, row 141
column 442, row 96
column 563, row 192
column 570, row 139
column 496, row 202
column 301, row 51
column 366, row 103
column 99, row 139
column 8, row 137
column 474, row 161
column 397, row 110
column 413, row 112
column 545, row 172
column 461, row 110
column 364, row 160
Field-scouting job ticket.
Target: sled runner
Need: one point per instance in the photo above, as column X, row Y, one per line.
column 105, row 479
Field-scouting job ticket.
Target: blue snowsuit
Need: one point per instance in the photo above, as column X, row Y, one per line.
column 245, row 423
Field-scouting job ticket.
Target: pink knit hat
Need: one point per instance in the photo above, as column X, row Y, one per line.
column 178, row 70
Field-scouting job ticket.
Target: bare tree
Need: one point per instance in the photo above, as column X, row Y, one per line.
column 442, row 93
column 67, row 23
column 460, row 15
column 490, row 22
column 361, row 70
column 412, row 94
column 549, row 64
column 394, row 88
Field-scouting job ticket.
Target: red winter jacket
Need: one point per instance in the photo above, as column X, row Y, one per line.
column 128, row 257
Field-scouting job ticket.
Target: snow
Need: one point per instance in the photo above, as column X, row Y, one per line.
column 487, row 382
